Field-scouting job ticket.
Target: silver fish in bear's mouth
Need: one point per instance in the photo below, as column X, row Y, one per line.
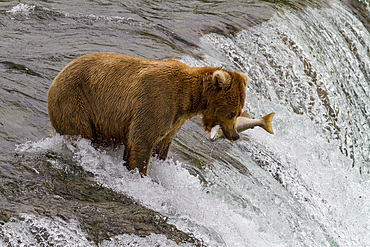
column 245, row 122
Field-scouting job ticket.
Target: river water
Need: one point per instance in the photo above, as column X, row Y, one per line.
column 306, row 185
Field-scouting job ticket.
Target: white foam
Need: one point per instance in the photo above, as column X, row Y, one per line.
column 22, row 8
column 171, row 190
column 159, row 240
column 34, row 230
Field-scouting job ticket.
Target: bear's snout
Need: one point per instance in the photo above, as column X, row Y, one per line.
column 230, row 134
column 235, row 137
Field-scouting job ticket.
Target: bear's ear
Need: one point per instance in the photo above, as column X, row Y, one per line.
column 246, row 79
column 221, row 80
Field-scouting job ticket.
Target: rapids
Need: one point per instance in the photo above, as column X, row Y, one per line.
column 306, row 185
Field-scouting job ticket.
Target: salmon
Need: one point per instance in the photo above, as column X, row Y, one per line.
column 245, row 122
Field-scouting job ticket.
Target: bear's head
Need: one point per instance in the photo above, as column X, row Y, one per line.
column 224, row 92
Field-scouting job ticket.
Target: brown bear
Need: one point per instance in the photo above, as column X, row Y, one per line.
column 142, row 103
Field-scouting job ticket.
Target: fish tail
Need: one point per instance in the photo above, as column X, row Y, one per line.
column 267, row 122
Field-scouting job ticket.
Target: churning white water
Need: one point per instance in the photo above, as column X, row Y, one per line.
column 307, row 185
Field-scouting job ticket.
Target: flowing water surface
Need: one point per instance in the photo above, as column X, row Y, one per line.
column 306, row 185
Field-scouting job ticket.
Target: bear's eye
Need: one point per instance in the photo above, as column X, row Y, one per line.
column 231, row 116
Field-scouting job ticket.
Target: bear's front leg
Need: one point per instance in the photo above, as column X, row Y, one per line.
column 137, row 155
column 161, row 149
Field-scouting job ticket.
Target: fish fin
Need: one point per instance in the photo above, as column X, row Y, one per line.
column 267, row 125
column 245, row 114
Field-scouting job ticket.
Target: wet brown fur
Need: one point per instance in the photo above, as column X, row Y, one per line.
column 142, row 103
